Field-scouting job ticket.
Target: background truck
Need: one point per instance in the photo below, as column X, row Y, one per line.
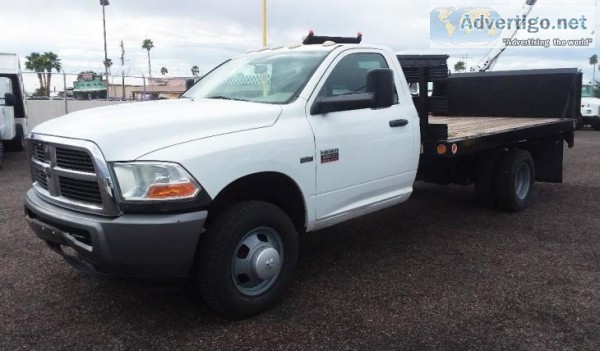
column 218, row 185
column 590, row 107
column 13, row 106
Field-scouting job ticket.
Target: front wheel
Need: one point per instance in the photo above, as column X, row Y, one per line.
column 514, row 180
column 247, row 259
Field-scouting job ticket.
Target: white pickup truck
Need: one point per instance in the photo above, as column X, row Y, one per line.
column 218, row 185
column 590, row 107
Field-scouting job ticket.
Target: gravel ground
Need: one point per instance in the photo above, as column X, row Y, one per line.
column 435, row 273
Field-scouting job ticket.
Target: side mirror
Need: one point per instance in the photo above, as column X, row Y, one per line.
column 9, row 100
column 380, row 94
column 342, row 103
column 380, row 82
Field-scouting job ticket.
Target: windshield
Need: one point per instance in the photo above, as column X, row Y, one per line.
column 269, row 77
column 587, row 91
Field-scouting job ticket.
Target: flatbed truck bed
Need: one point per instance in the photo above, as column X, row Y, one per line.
column 467, row 128
column 470, row 135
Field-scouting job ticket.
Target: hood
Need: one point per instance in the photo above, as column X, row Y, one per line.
column 590, row 100
column 127, row 131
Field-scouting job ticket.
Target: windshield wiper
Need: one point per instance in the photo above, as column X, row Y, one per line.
column 221, row 97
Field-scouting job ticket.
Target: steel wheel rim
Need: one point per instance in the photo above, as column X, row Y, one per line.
column 257, row 261
column 523, row 181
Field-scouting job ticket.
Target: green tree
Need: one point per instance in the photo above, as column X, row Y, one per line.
column 51, row 62
column 460, row 66
column 36, row 64
column 43, row 65
column 164, row 71
column 195, row 71
column 147, row 44
column 594, row 62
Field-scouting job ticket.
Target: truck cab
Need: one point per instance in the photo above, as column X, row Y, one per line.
column 590, row 107
column 13, row 105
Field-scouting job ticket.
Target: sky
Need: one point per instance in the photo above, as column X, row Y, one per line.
column 207, row 32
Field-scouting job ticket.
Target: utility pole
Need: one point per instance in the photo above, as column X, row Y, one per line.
column 144, row 78
column 65, row 92
column 465, row 58
column 122, row 70
column 264, row 23
column 105, row 3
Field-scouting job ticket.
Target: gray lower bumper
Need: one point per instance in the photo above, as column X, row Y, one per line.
column 146, row 246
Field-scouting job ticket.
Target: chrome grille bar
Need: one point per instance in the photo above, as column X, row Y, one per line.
column 73, row 174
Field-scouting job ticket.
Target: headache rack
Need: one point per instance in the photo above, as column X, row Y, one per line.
column 312, row 39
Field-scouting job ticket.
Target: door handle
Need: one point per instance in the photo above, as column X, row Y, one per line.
column 398, row 123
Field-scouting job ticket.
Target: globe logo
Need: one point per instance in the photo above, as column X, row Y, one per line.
column 464, row 26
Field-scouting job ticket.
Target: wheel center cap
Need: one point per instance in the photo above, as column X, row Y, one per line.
column 267, row 263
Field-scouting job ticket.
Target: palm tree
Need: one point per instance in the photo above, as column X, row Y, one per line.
column 460, row 66
column 148, row 45
column 164, row 71
column 594, row 62
column 51, row 61
column 35, row 63
column 195, row 71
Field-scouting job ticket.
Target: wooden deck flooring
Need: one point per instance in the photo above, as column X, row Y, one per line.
column 473, row 127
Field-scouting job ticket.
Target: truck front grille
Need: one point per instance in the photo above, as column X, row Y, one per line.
column 41, row 179
column 72, row 174
column 74, row 159
column 37, row 150
column 80, row 190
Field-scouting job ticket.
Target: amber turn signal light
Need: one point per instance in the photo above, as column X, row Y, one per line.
column 441, row 149
column 177, row 190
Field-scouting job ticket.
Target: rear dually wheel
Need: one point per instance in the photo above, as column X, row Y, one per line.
column 514, row 180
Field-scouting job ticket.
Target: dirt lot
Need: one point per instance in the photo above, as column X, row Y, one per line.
column 435, row 273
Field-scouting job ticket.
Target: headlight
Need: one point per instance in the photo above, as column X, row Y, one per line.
column 154, row 181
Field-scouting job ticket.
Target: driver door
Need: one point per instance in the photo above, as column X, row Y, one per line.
column 364, row 162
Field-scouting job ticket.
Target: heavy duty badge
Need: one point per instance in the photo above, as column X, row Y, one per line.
column 331, row 155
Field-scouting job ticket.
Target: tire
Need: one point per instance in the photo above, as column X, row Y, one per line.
column 596, row 126
column 17, row 144
column 237, row 261
column 580, row 123
column 515, row 178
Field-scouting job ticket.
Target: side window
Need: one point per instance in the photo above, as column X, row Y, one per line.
column 350, row 74
column 5, row 87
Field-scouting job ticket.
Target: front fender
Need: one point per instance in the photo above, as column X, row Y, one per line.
column 217, row 162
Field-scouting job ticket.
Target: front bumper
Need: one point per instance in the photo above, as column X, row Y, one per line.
column 160, row 246
column 589, row 119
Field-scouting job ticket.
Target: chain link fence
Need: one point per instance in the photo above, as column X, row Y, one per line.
column 51, row 95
